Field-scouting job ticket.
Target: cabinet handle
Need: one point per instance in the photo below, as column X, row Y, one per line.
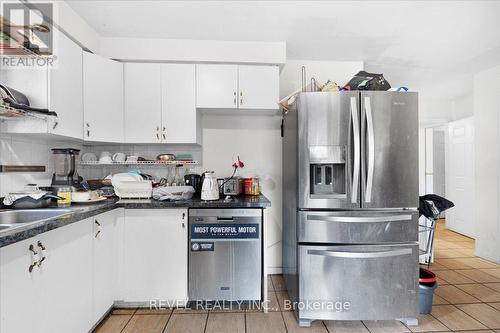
column 157, row 136
column 234, row 100
column 98, row 228
column 164, row 128
column 183, row 225
column 241, row 97
column 164, row 136
column 183, row 216
column 42, row 250
column 55, row 125
column 88, row 133
column 34, row 257
column 88, row 125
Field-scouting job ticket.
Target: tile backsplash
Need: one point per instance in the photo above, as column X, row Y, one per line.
column 26, row 150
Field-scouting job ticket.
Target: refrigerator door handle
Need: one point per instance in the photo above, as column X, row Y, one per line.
column 359, row 219
column 360, row 255
column 357, row 153
column 370, row 149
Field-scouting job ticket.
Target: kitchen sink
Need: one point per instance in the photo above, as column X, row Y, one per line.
column 10, row 218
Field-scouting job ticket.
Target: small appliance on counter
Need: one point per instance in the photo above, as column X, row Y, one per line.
column 65, row 173
column 233, row 186
column 210, row 188
column 193, row 180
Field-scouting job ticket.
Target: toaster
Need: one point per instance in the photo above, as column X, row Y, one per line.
column 233, row 186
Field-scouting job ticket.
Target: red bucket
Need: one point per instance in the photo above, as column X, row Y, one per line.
column 427, row 277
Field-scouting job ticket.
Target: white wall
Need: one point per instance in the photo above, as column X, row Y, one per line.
column 487, row 156
column 462, row 107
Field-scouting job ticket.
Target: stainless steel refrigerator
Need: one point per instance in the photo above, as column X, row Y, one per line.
column 350, row 198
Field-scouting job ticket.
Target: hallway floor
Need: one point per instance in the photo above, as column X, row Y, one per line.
column 467, row 300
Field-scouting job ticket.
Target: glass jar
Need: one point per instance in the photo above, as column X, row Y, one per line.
column 65, row 194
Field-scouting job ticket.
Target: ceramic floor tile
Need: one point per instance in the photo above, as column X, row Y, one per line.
column 494, row 272
column 153, row 311
column 427, row 323
column 278, row 283
column 113, row 324
column 259, row 322
column 495, row 305
column 478, row 275
column 292, row 325
column 447, row 254
column 483, row 313
column 484, row 294
column 225, row 323
column 467, row 252
column 272, row 303
column 385, row 326
column 494, row 286
column 123, row 311
column 284, row 301
column 456, row 263
column 453, row 277
column 347, row 326
column 150, row 323
column 436, row 300
column 186, row 323
column 455, row 319
column 191, row 311
column 454, row 295
column 436, row 267
column 270, row 286
column 478, row 263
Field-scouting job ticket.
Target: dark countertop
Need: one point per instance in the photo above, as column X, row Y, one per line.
column 81, row 212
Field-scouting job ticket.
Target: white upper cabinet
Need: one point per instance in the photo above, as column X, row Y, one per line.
column 217, row 86
column 65, row 92
column 180, row 121
column 237, row 87
column 258, row 87
column 142, row 103
column 102, row 99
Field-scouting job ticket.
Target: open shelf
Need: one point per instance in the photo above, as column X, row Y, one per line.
column 145, row 163
column 9, row 113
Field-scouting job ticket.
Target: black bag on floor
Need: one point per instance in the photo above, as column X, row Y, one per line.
column 368, row 81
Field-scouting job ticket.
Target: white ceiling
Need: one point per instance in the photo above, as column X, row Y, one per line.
column 432, row 46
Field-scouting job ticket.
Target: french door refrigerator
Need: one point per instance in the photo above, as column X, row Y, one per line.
column 350, row 198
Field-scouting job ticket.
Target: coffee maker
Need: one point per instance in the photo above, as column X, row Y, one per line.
column 65, row 173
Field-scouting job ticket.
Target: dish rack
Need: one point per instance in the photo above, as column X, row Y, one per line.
column 134, row 189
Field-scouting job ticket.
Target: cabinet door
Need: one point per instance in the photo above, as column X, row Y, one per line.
column 66, row 279
column 65, row 89
column 19, row 289
column 142, row 88
column 217, row 86
column 102, row 99
column 155, row 255
column 258, row 87
column 179, row 116
column 105, row 265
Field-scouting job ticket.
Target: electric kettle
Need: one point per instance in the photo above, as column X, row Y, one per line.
column 210, row 188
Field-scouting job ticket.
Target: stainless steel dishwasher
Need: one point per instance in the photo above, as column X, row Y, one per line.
column 225, row 255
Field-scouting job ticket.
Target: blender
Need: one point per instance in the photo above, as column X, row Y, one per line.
column 65, row 173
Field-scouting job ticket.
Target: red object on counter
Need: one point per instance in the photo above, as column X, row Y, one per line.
column 251, row 186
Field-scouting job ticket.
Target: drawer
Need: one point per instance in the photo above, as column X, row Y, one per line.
column 358, row 227
column 370, row 282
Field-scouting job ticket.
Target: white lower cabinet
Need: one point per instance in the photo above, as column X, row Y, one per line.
column 136, row 256
column 19, row 289
column 54, row 297
column 154, row 263
column 105, row 262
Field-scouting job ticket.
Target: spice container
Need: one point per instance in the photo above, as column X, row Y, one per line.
column 251, row 186
column 65, row 194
